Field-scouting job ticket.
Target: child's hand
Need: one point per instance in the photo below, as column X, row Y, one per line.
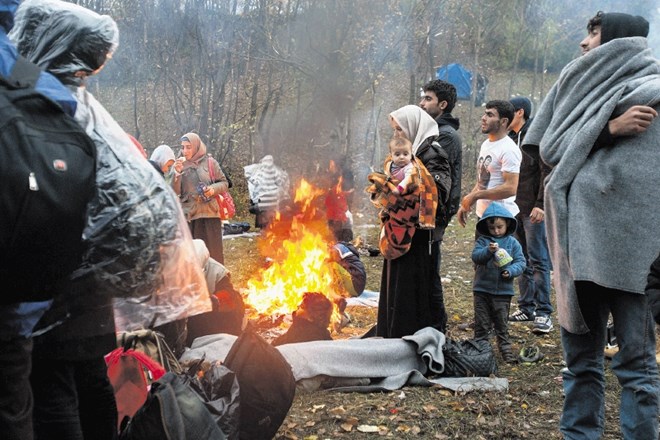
column 506, row 275
column 395, row 191
column 493, row 247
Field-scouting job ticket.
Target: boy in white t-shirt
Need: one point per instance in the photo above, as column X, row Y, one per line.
column 498, row 165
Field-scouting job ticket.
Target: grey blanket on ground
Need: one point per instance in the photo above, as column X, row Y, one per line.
column 600, row 203
column 362, row 365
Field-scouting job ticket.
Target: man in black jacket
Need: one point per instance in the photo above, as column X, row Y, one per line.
column 438, row 101
column 534, row 299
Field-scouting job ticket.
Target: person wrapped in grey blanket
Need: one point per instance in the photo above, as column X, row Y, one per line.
column 597, row 129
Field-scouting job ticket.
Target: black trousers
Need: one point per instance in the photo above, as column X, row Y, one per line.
column 15, row 392
column 73, row 400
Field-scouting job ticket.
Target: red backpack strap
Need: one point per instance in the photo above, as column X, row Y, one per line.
column 211, row 175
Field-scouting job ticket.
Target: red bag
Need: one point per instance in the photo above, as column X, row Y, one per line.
column 225, row 201
column 126, row 371
column 226, row 204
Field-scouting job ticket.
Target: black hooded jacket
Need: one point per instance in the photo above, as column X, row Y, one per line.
column 533, row 172
column 451, row 142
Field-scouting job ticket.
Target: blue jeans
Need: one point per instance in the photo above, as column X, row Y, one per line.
column 634, row 365
column 534, row 284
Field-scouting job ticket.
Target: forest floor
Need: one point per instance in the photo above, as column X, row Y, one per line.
column 530, row 409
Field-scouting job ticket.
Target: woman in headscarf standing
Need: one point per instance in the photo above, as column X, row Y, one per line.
column 410, row 291
column 198, row 179
column 163, row 160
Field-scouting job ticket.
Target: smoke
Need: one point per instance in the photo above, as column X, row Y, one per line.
column 654, row 32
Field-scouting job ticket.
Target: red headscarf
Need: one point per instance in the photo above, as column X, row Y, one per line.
column 138, row 145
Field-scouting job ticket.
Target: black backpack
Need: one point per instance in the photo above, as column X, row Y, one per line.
column 266, row 382
column 173, row 410
column 47, row 175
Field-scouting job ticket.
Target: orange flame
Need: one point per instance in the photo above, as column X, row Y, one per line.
column 299, row 246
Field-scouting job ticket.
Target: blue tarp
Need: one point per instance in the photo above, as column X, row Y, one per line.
column 461, row 78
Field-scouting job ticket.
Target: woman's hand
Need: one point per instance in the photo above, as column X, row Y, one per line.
column 178, row 164
column 209, row 192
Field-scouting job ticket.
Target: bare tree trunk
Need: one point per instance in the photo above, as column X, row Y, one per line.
column 476, row 70
column 543, row 72
column 520, row 43
column 136, row 119
column 536, row 66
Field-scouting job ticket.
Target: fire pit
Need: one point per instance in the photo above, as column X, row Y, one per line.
column 297, row 245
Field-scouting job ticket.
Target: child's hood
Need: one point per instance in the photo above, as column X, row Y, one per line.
column 496, row 209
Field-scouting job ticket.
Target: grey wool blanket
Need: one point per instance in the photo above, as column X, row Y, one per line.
column 364, row 365
column 601, row 203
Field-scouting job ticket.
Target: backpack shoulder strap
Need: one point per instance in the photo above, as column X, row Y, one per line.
column 24, row 74
column 211, row 173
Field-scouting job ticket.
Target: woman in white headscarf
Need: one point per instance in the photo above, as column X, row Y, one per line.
column 411, row 293
column 162, row 159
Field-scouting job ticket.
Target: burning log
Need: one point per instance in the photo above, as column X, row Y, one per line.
column 310, row 321
column 298, row 245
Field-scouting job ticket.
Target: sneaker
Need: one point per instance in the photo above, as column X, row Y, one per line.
column 542, row 325
column 520, row 316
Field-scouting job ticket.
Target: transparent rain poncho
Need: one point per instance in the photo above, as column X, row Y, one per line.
column 139, row 247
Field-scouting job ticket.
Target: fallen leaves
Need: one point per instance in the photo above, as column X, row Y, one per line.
column 368, row 428
column 529, row 410
column 337, row 411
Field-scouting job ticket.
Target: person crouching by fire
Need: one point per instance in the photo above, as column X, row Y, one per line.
column 228, row 311
column 310, row 321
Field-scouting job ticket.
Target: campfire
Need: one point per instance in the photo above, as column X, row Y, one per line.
column 297, row 245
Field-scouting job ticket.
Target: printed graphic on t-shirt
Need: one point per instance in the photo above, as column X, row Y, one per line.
column 482, row 171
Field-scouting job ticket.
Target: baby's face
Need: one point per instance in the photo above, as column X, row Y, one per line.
column 497, row 227
column 401, row 156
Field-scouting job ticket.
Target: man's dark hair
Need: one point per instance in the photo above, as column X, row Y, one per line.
column 491, row 220
column 521, row 102
column 504, row 108
column 444, row 91
column 596, row 20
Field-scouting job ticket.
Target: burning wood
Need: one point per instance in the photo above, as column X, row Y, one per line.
column 298, row 244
